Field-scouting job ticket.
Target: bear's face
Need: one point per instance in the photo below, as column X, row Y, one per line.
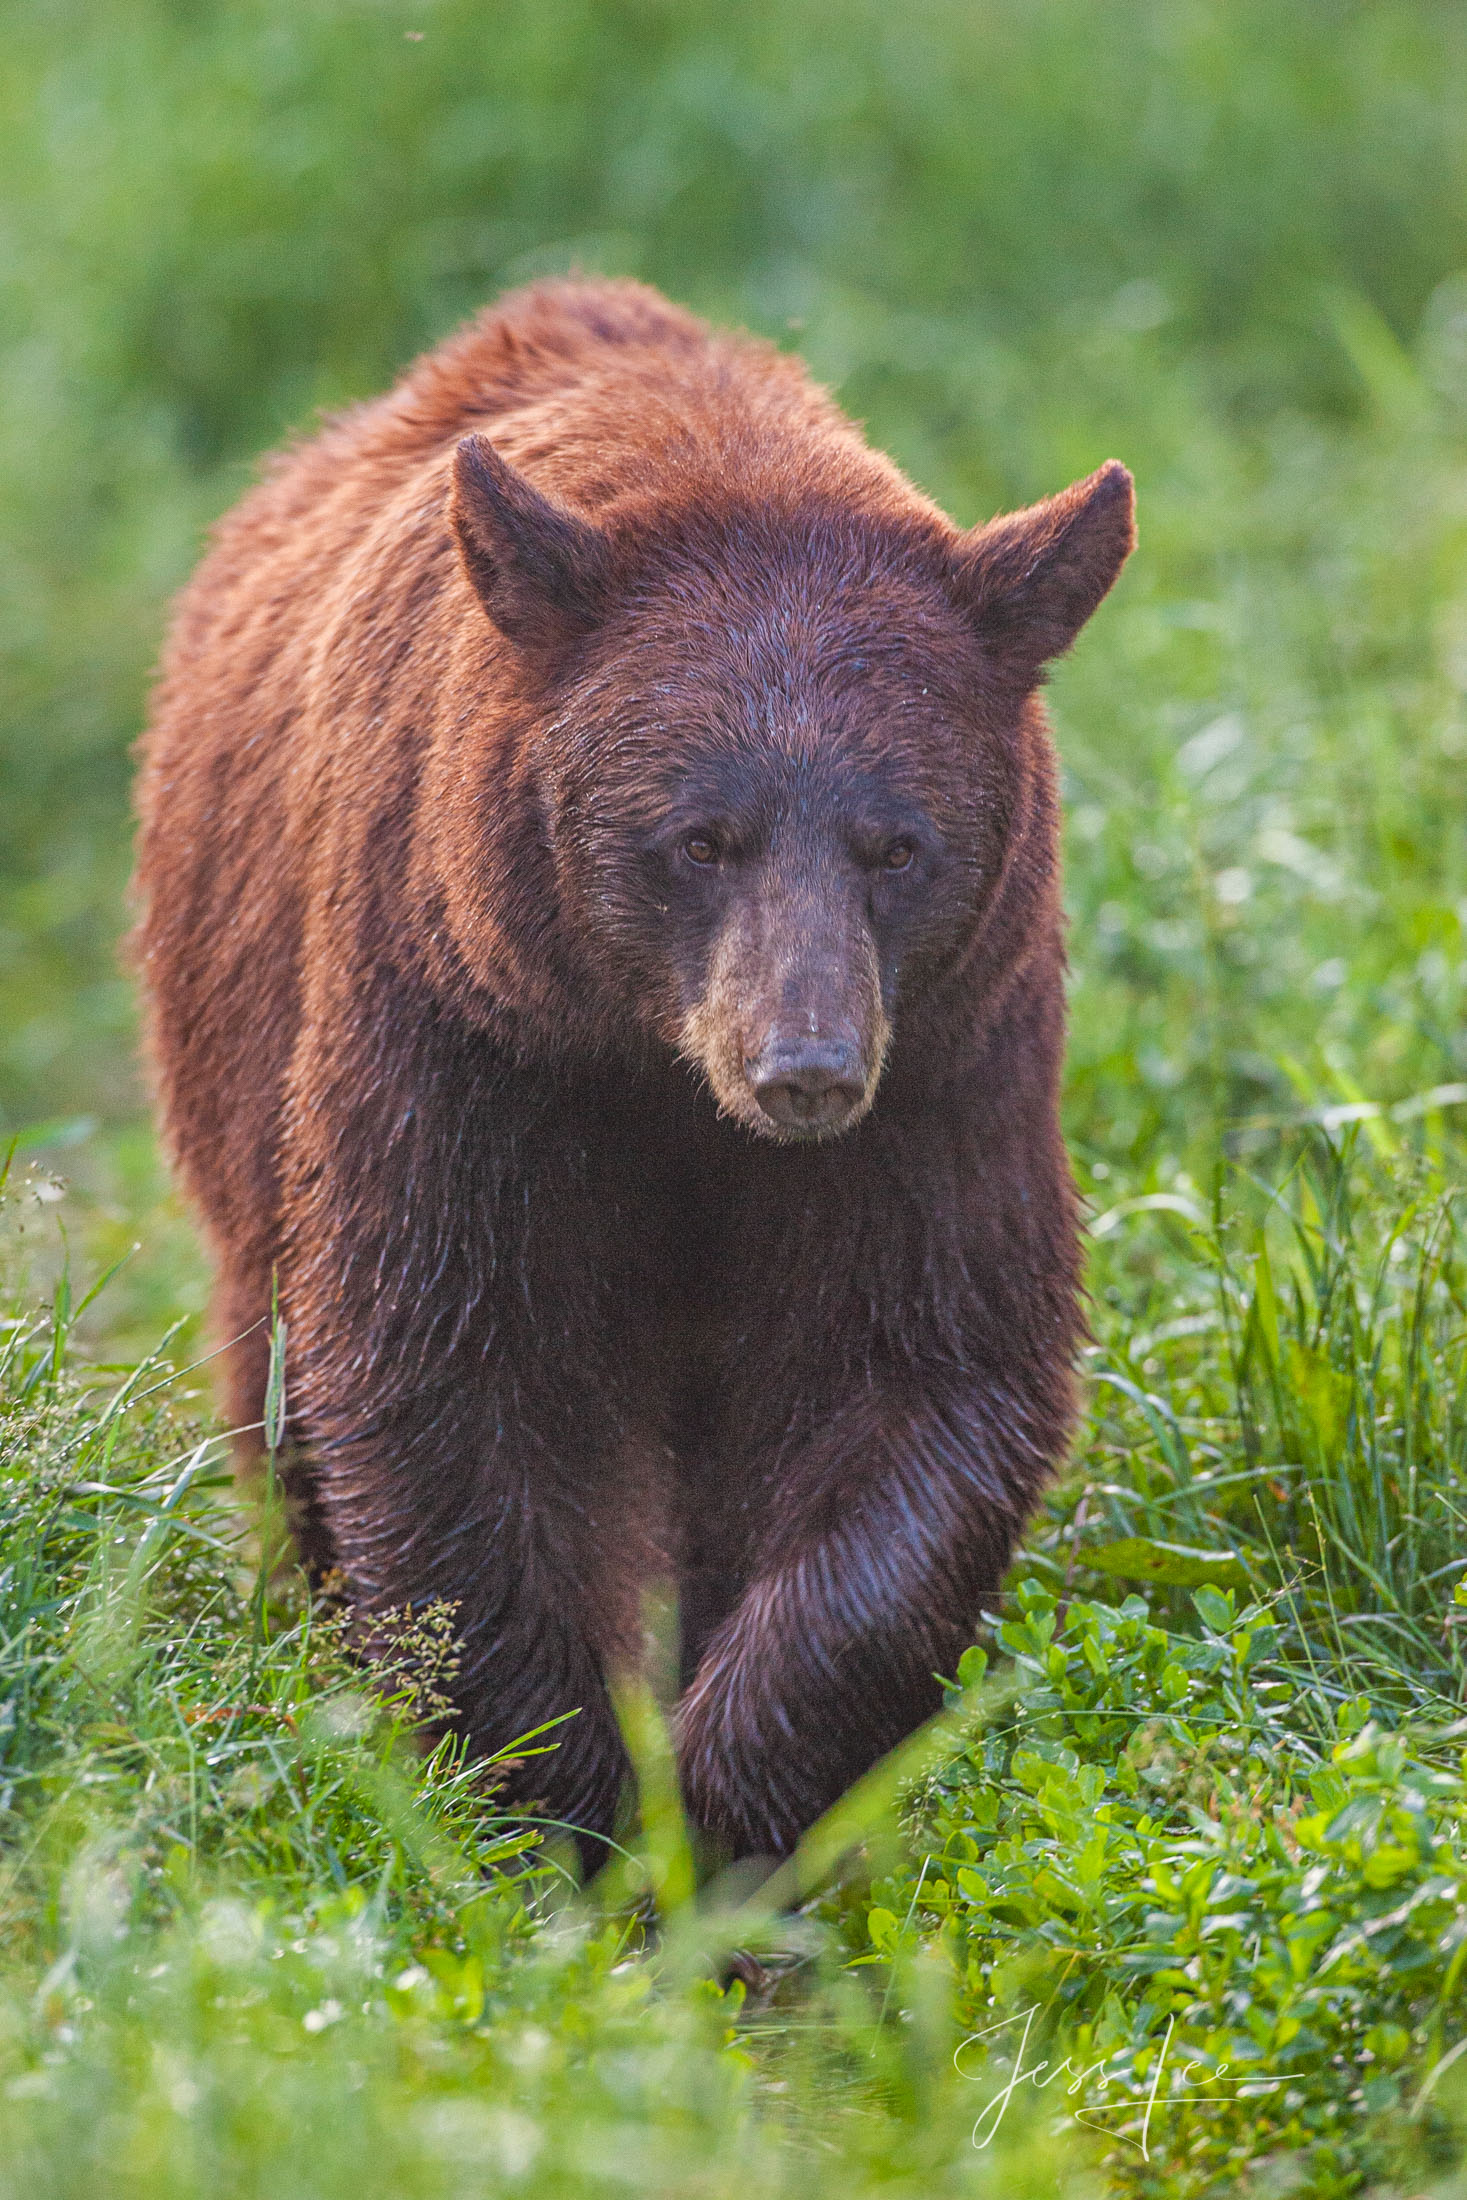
column 778, row 816
column 782, row 755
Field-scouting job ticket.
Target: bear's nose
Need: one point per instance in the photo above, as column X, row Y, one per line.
column 807, row 1084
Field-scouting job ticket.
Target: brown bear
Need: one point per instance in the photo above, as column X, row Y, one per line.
column 601, row 925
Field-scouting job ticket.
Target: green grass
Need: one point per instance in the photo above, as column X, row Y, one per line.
column 252, row 1937
column 1210, row 1788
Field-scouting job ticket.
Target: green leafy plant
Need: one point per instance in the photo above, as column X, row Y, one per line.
column 1200, row 1934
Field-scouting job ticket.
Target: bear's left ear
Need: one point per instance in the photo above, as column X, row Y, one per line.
column 541, row 571
column 1031, row 579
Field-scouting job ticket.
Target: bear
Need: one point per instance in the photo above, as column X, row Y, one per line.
column 600, row 923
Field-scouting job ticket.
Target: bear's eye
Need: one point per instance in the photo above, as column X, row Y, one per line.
column 898, row 856
column 700, row 848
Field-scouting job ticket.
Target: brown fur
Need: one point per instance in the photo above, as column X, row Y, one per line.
column 602, row 936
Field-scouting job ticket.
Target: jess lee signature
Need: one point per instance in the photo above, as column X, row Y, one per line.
column 985, row 2130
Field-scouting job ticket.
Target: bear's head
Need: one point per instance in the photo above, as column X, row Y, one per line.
column 786, row 754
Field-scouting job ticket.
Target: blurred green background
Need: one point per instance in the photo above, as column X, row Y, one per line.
column 1223, row 240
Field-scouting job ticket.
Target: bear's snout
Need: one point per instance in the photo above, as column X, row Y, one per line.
column 791, row 1031
column 805, row 1084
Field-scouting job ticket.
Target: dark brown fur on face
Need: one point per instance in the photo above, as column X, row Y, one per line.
column 602, row 935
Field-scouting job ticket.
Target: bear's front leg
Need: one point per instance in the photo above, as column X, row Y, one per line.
column 454, row 1290
column 448, row 1495
column 880, row 1541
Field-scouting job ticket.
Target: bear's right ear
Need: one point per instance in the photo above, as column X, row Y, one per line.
column 540, row 571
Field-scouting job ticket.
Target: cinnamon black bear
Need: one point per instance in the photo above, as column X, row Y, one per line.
column 602, row 931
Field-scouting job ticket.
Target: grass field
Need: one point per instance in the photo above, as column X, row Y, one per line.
column 1197, row 1816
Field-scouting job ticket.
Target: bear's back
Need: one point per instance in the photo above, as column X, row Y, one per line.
column 601, row 391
